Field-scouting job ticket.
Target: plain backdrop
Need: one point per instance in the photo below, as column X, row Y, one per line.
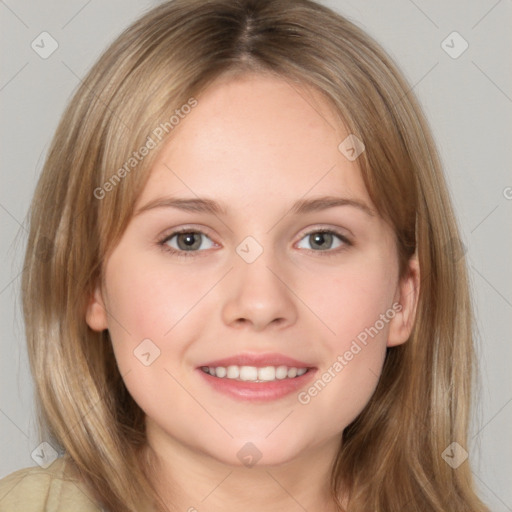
column 467, row 99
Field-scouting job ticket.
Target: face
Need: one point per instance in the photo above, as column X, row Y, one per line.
column 254, row 253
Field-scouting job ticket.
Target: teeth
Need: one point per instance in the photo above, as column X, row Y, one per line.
column 254, row 374
column 281, row 372
column 267, row 373
column 233, row 372
column 248, row 373
column 219, row 372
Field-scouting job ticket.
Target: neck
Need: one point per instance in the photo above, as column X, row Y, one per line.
column 192, row 481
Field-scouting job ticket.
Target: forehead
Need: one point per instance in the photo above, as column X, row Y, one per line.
column 256, row 139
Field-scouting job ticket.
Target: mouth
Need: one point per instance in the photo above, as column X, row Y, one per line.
column 257, row 377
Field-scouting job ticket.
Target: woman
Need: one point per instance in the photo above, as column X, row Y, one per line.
column 243, row 274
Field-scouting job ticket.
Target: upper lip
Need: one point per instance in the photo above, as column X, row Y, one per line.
column 258, row 360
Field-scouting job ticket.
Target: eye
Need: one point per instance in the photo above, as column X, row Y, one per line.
column 323, row 240
column 186, row 241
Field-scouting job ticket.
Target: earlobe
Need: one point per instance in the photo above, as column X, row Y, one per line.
column 96, row 314
column 400, row 327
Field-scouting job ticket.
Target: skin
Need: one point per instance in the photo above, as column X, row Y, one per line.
column 256, row 145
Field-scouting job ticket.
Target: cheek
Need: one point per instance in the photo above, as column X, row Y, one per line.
column 145, row 302
column 351, row 297
column 147, row 308
column 356, row 304
column 147, row 299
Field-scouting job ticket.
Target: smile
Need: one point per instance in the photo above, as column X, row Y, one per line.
column 253, row 373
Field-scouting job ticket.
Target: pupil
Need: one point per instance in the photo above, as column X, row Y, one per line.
column 322, row 240
column 188, row 240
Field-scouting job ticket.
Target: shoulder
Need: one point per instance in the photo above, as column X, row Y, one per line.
column 54, row 489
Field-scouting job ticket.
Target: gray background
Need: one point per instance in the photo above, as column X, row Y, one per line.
column 468, row 101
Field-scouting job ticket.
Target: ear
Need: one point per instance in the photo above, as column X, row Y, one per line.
column 96, row 314
column 406, row 301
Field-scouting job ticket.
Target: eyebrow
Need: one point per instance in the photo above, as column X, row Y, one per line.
column 325, row 202
column 205, row 205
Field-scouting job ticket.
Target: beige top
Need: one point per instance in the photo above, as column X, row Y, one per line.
column 54, row 489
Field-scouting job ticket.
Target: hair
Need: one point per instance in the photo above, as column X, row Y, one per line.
column 390, row 455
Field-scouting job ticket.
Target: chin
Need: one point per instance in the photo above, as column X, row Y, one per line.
column 258, row 451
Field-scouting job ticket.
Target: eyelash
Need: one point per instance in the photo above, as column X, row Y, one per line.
column 187, row 254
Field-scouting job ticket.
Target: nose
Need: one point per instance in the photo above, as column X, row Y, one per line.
column 258, row 296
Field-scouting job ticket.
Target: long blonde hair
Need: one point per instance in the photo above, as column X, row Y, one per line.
column 390, row 457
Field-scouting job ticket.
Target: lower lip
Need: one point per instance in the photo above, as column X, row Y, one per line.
column 257, row 391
